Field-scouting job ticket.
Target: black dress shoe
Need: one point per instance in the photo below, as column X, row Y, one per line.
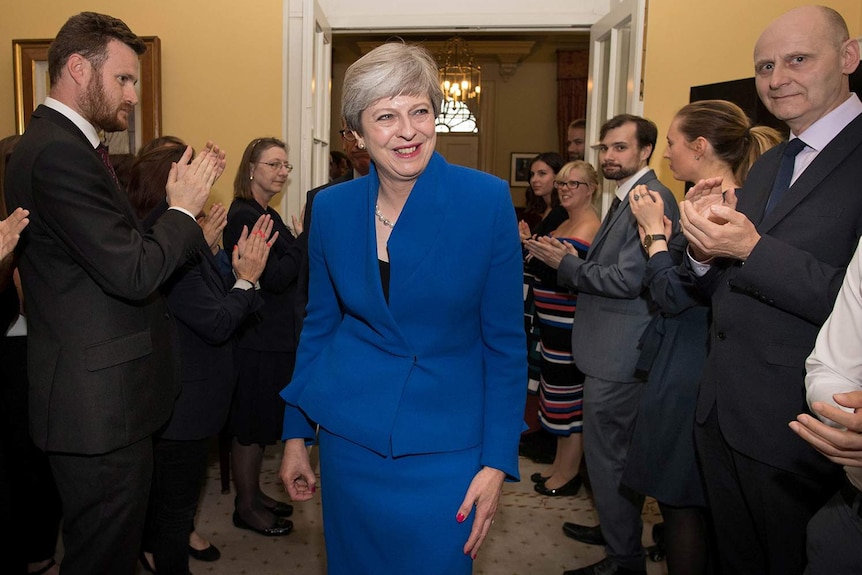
column 281, row 526
column 605, row 567
column 584, row 534
column 538, row 478
column 211, row 553
column 569, row 488
column 281, row 509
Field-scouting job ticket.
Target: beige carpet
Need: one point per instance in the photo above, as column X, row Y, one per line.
column 527, row 538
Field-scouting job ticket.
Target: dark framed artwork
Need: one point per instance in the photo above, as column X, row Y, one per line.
column 32, row 83
column 519, row 174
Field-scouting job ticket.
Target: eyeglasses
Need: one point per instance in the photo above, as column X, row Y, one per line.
column 276, row 165
column 347, row 135
column 571, row 184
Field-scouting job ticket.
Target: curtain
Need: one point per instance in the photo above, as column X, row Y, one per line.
column 572, row 69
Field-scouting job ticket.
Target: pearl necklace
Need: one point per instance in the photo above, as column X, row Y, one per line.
column 383, row 219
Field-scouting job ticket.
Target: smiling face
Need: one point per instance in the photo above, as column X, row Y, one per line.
column 574, row 189
column 801, row 67
column 541, row 179
column 109, row 96
column 680, row 154
column 268, row 181
column 399, row 135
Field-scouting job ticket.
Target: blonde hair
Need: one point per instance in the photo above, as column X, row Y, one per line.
column 585, row 168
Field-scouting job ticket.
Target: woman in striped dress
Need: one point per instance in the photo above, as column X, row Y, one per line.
column 561, row 385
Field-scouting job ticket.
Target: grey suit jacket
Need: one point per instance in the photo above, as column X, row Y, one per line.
column 614, row 309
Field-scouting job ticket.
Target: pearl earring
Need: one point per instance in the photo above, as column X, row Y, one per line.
column 360, row 145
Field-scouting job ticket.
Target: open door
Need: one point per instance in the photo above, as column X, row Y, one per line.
column 616, row 69
column 308, row 74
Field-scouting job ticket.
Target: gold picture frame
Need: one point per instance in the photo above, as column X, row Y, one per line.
column 32, row 83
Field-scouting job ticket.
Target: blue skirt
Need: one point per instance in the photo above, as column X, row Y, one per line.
column 394, row 515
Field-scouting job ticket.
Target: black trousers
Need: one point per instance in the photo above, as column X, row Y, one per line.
column 178, row 473
column 30, row 507
column 759, row 512
column 104, row 507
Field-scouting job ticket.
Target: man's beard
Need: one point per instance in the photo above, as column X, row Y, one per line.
column 97, row 110
column 618, row 172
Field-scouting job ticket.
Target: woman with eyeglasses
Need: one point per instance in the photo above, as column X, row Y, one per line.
column 267, row 340
column 561, row 387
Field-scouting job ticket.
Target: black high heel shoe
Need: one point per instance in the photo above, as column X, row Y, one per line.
column 570, row 488
column 281, row 526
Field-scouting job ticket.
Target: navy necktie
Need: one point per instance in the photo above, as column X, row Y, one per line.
column 614, row 205
column 102, row 149
column 785, row 173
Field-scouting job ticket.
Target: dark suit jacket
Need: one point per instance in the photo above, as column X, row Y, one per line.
column 767, row 311
column 302, row 243
column 101, row 371
column 273, row 327
column 614, row 308
column 442, row 365
column 208, row 313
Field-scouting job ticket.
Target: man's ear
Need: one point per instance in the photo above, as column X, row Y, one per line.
column 79, row 69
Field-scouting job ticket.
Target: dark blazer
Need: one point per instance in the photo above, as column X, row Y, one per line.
column 101, row 371
column 301, row 298
column 614, row 308
column 767, row 310
column 208, row 312
column 273, row 327
column 442, row 366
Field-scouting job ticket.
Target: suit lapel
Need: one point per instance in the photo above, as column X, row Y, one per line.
column 419, row 224
column 120, row 196
column 608, row 223
column 825, row 163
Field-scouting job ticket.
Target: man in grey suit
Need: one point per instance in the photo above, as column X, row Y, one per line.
column 613, row 312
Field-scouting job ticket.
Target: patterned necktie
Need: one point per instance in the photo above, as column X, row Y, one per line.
column 614, row 205
column 785, row 173
column 106, row 159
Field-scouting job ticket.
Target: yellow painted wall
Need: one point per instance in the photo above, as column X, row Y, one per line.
column 696, row 42
column 221, row 65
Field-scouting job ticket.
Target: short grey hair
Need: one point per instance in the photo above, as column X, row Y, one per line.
column 390, row 70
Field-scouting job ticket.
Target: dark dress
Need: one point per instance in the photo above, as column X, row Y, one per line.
column 661, row 459
column 561, row 387
column 267, row 339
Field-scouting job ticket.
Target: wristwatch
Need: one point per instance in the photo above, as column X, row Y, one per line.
column 650, row 238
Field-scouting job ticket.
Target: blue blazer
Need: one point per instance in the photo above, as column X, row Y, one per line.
column 442, row 367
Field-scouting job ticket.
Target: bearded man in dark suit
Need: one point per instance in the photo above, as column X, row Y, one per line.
column 102, row 376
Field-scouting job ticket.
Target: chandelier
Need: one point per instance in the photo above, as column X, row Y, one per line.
column 460, row 78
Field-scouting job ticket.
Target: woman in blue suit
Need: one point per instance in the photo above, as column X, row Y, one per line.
column 412, row 357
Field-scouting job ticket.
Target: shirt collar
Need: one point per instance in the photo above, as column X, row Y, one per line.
column 824, row 130
column 624, row 187
column 86, row 127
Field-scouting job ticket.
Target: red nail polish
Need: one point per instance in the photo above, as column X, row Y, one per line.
column 460, row 517
column 476, row 554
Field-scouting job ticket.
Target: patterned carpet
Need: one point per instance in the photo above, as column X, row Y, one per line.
column 527, row 538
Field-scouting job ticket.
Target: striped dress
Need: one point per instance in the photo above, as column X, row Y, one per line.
column 561, row 386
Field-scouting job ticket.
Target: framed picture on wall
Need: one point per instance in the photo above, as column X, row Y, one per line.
column 32, row 84
column 519, row 174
